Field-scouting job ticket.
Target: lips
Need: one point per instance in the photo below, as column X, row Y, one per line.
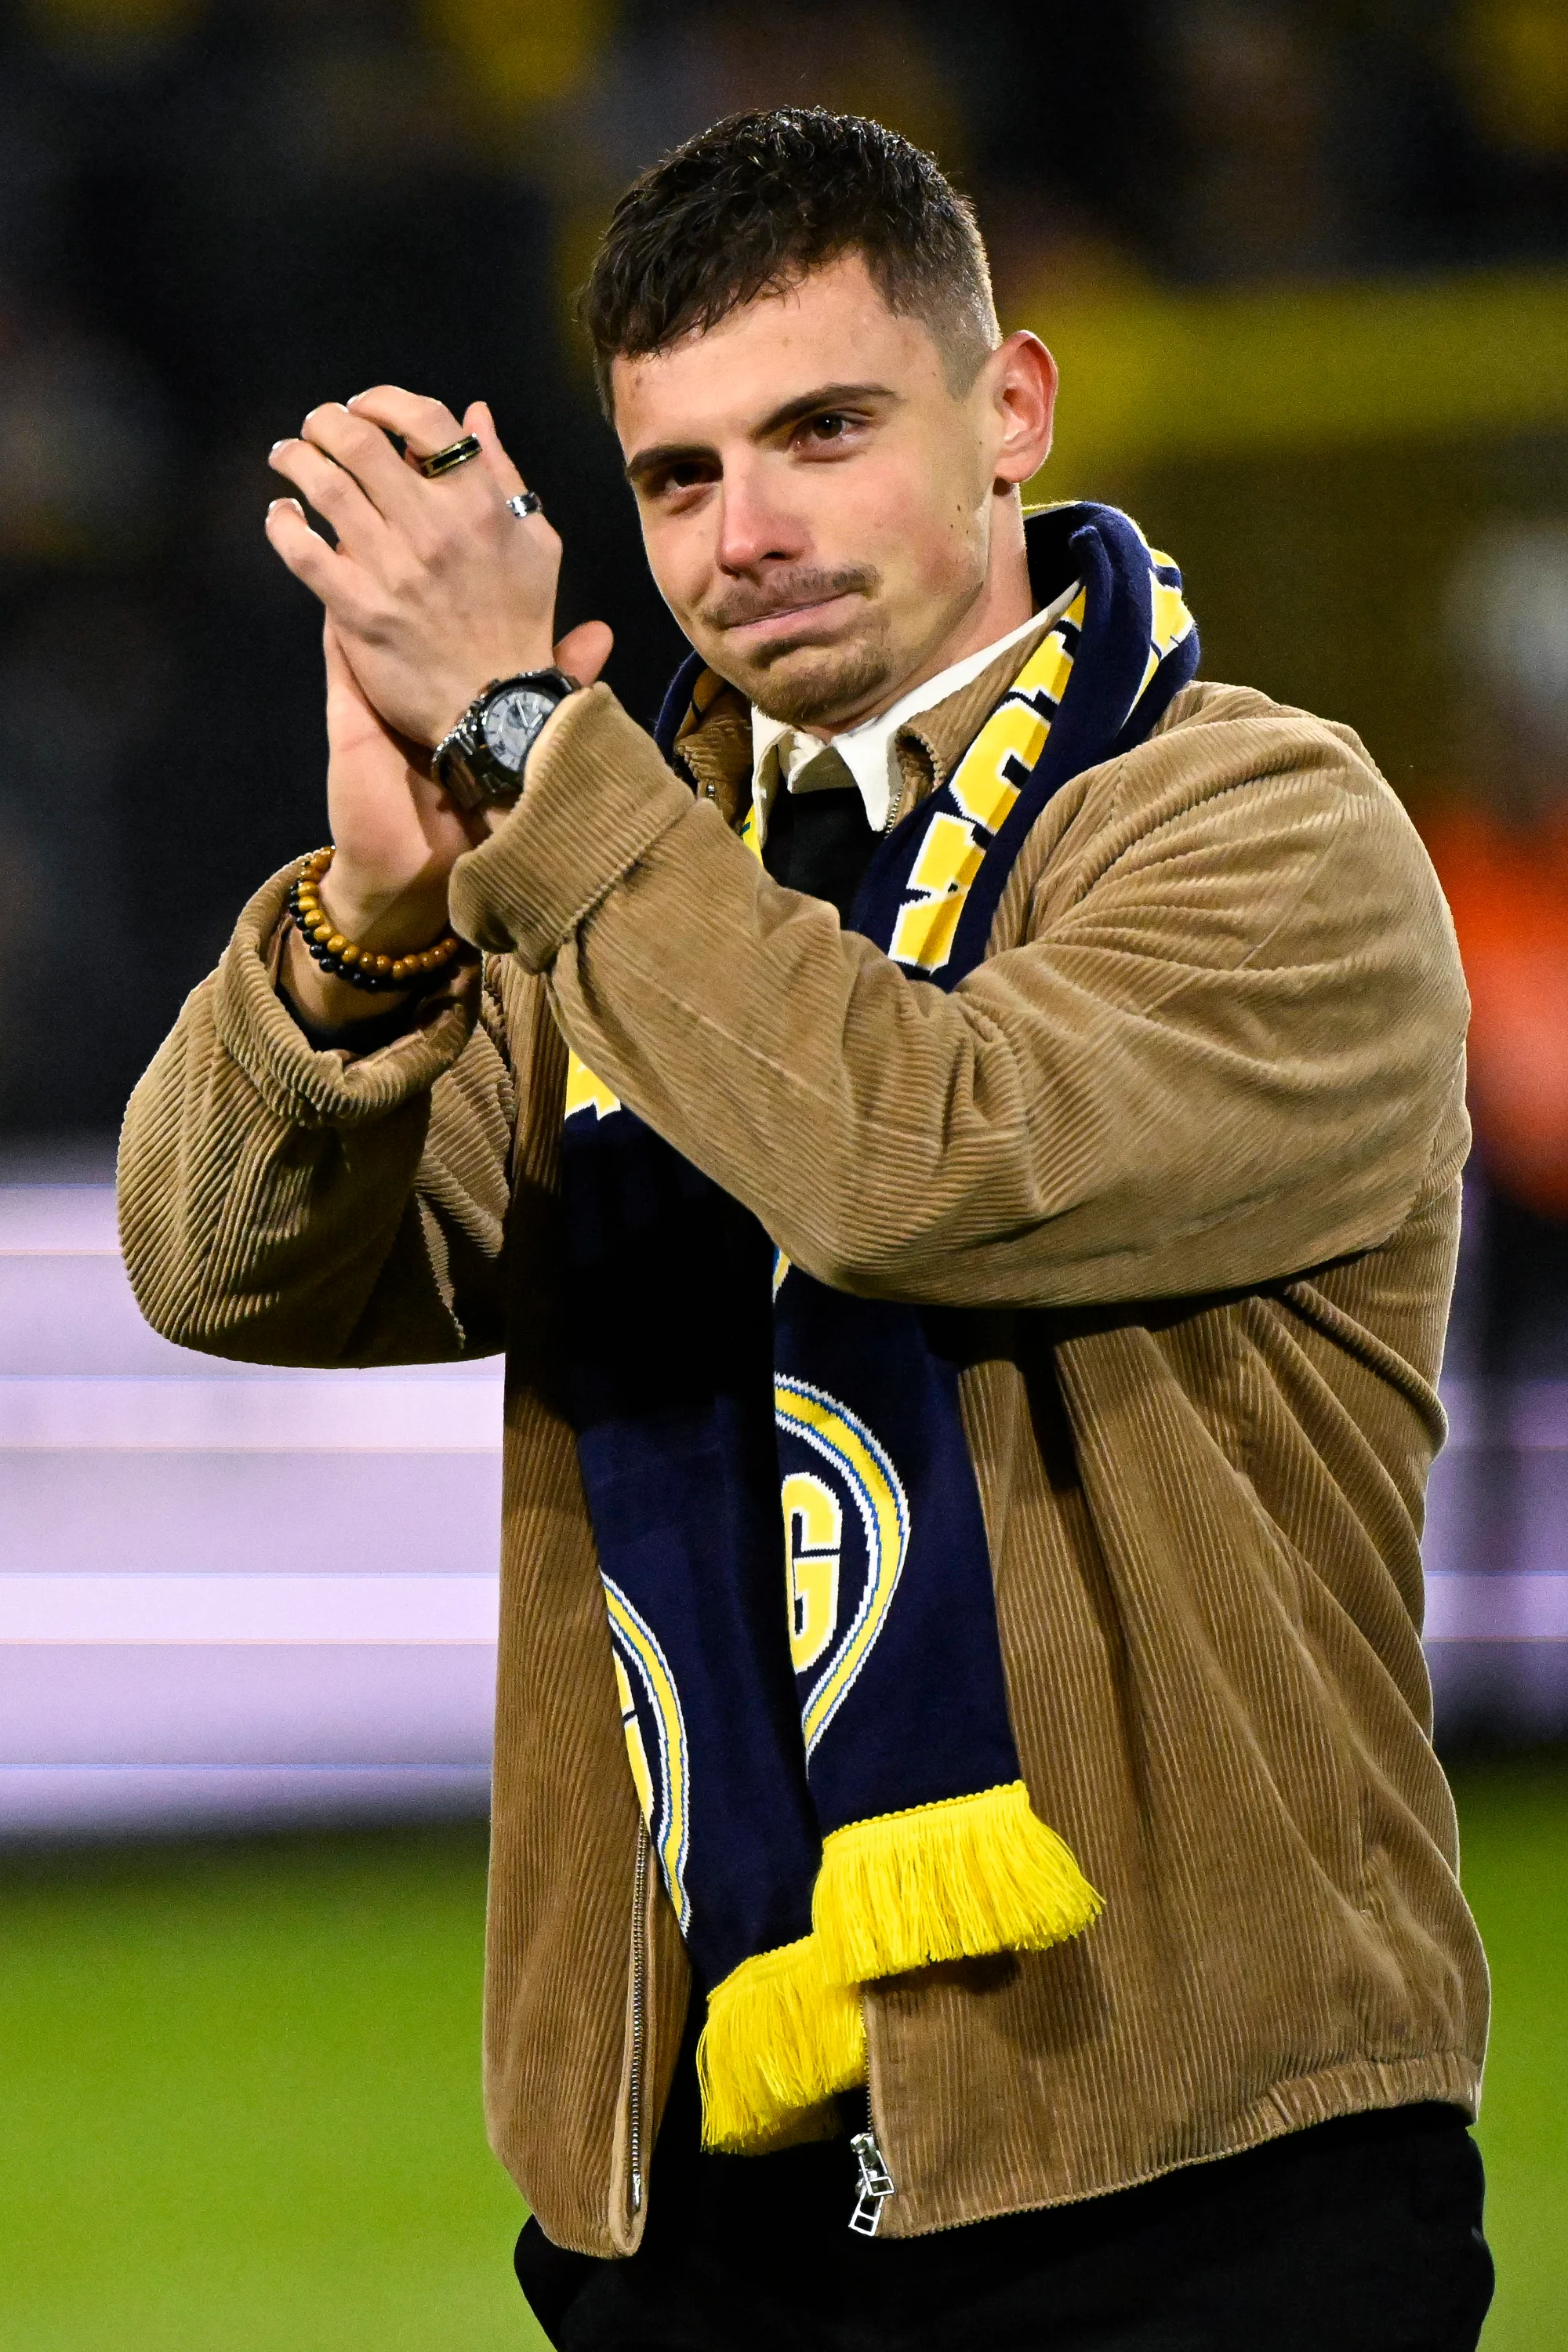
column 784, row 620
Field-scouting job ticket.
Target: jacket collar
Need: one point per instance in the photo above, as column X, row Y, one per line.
column 714, row 748
column 705, row 725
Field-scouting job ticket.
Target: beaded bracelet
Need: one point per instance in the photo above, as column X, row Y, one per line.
column 361, row 967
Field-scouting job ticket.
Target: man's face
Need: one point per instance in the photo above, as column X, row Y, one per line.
column 817, row 501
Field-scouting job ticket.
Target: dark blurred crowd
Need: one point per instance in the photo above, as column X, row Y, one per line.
column 215, row 212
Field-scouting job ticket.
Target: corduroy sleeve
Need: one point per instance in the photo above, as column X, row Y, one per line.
column 285, row 1206
column 1214, row 1049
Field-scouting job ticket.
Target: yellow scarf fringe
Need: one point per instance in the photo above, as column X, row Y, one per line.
column 779, row 2040
column 945, row 1882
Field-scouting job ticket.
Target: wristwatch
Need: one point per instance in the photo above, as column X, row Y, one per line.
column 480, row 762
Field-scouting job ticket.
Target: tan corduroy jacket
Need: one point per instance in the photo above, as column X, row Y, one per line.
column 1186, row 1148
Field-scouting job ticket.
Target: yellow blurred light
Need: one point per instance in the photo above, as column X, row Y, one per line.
column 524, row 53
column 1158, row 375
column 1515, row 66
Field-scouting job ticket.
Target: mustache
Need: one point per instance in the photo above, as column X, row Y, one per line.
column 785, row 590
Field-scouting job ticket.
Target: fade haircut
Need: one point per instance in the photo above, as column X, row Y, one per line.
column 753, row 205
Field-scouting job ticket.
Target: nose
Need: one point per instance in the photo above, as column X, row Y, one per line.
column 755, row 526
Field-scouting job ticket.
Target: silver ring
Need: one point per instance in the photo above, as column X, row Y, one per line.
column 526, row 502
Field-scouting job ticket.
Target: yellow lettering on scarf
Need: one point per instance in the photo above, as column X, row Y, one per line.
column 1169, row 625
column 667, row 1809
column 948, row 859
column 868, row 1477
column 1014, row 734
column 813, row 1544
column 586, row 1092
column 923, row 932
column 1044, row 675
column 986, row 787
column 642, row 1778
column 948, row 863
column 1172, row 618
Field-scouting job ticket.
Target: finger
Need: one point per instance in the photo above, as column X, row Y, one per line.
column 349, row 713
column 332, row 493
column 482, row 425
column 363, row 451
column 584, row 651
column 307, row 554
column 424, row 424
column 340, row 678
column 345, row 694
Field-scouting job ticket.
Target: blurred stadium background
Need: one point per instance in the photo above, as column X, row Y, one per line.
column 1305, row 264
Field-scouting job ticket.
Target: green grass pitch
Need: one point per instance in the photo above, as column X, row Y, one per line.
column 239, row 2094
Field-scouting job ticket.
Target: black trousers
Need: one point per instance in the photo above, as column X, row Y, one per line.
column 1359, row 2235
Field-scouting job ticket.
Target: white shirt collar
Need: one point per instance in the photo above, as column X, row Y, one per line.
column 866, row 750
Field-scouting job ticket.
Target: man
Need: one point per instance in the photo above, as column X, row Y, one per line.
column 976, row 1110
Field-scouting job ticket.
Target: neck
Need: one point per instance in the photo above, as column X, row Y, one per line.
column 1004, row 604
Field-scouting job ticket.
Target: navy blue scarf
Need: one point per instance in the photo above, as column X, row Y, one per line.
column 789, row 1529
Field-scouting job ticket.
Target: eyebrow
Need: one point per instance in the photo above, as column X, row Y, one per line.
column 808, row 404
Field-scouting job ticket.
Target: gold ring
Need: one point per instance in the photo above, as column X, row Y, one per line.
column 456, row 452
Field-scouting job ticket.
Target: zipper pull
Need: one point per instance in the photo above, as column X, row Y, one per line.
column 875, row 2185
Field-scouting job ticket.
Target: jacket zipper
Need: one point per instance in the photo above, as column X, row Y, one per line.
column 640, row 1938
column 876, row 2184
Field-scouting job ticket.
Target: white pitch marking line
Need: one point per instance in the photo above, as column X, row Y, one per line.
column 275, row 1606
column 331, row 1413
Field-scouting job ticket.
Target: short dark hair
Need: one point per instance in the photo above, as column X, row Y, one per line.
column 751, row 206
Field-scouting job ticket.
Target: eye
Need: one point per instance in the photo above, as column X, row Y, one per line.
column 827, row 431
column 686, row 474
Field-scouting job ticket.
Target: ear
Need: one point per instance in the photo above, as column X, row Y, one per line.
column 1024, row 388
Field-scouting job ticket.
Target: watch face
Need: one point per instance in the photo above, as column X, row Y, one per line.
column 511, row 721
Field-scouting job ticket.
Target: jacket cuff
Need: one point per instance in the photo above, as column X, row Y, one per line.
column 597, row 797
column 325, row 1090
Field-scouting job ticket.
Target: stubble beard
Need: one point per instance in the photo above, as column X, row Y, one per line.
column 832, row 682
column 839, row 683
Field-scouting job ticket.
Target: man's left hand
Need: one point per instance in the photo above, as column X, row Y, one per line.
column 435, row 587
